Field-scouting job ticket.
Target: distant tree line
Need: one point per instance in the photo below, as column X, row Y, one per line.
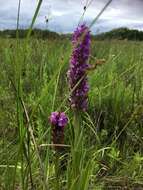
column 121, row 34
column 36, row 33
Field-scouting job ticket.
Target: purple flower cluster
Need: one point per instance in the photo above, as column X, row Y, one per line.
column 77, row 74
column 58, row 121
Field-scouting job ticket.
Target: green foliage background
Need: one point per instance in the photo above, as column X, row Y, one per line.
column 112, row 127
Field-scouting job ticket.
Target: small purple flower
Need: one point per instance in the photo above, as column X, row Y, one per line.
column 63, row 120
column 54, row 117
column 77, row 73
column 58, row 121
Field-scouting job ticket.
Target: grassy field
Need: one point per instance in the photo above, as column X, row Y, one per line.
column 33, row 83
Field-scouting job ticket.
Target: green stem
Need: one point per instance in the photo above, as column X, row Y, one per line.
column 76, row 127
column 57, row 171
column 77, row 149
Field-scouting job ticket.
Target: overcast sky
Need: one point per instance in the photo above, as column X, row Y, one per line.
column 64, row 15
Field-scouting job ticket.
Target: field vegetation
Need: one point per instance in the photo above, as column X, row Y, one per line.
column 34, row 83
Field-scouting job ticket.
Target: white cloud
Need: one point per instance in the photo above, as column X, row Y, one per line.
column 65, row 14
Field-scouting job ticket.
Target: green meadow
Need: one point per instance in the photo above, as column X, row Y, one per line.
column 33, row 83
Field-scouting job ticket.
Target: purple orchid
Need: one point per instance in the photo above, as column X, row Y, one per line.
column 58, row 121
column 77, row 74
